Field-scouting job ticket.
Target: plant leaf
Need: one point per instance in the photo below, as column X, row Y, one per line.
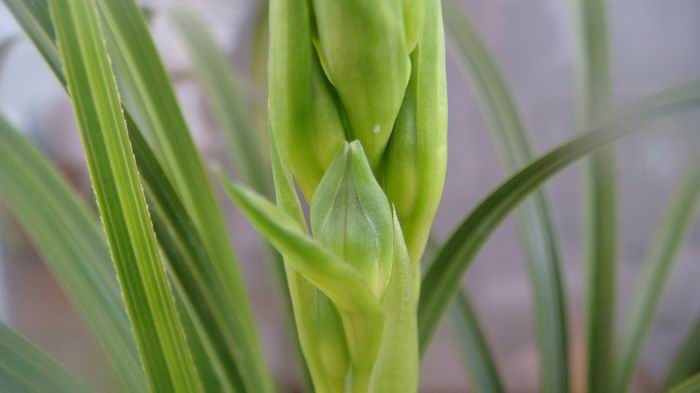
column 120, row 197
column 71, row 245
column 154, row 103
column 441, row 281
column 654, row 276
column 223, row 91
column 690, row 385
column 601, row 230
column 536, row 227
column 24, row 368
column 317, row 320
column 480, row 366
column 687, row 361
column 338, row 280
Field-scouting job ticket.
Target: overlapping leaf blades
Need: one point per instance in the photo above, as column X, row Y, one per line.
column 441, row 281
column 142, row 277
column 536, row 227
column 71, row 244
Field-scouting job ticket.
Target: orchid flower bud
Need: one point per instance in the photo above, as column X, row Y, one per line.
column 415, row 161
column 363, row 48
column 350, row 215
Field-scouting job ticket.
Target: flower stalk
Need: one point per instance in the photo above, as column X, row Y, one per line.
column 358, row 120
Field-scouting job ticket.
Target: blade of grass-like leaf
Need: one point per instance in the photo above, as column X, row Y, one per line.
column 691, row 385
column 182, row 245
column 687, row 361
column 120, row 197
column 215, row 327
column 155, row 102
column 223, row 91
column 33, row 16
column 71, row 245
column 534, row 219
column 465, row 326
column 441, row 281
column 654, row 276
column 593, row 87
column 24, row 368
column 480, row 367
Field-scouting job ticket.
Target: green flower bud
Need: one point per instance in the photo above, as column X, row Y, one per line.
column 363, row 47
column 350, row 215
column 415, row 161
column 304, row 112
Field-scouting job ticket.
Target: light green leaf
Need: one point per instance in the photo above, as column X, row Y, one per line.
column 318, row 324
column 654, row 276
column 338, row 280
column 601, row 231
column 228, row 105
column 153, row 102
column 71, row 245
column 535, row 225
column 687, row 360
column 120, row 197
column 24, row 368
column 215, row 331
column 396, row 368
column 691, row 385
column 441, row 281
column 481, row 369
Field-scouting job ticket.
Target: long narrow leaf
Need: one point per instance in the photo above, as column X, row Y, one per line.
column 120, row 197
column 691, row 385
column 593, row 88
column 214, row 322
column 441, row 281
column 24, row 368
column 535, row 225
column 687, row 360
column 481, row 368
column 654, row 276
column 72, row 246
column 223, row 89
column 224, row 93
column 155, row 105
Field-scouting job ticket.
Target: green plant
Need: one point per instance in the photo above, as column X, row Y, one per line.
column 361, row 129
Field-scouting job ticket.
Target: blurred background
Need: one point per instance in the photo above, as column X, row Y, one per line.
column 655, row 44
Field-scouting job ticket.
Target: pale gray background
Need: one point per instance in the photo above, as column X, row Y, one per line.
column 655, row 45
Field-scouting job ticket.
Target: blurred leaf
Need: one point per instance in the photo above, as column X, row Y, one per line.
column 213, row 329
column 690, row 385
column 224, row 93
column 654, row 276
column 593, row 88
column 154, row 103
column 120, row 197
column 481, row 369
column 441, row 281
column 24, row 368
column 71, row 245
column 535, row 224
column 687, row 360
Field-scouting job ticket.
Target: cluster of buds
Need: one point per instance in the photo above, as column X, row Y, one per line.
column 358, row 121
